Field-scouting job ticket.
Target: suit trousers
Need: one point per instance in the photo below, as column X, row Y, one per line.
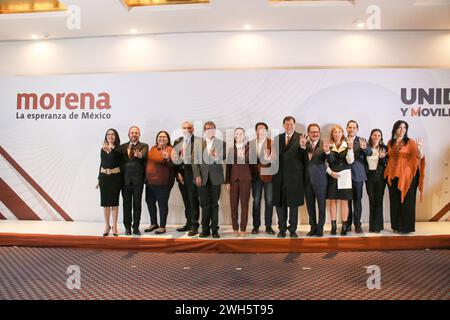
column 315, row 193
column 209, row 201
column 132, row 207
column 239, row 191
column 257, row 188
column 355, row 205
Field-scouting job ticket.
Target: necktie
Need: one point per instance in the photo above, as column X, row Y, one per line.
column 311, row 152
column 287, row 139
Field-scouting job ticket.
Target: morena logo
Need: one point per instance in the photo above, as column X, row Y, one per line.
column 70, row 101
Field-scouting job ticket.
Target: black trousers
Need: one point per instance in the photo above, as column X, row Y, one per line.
column 355, row 205
column 132, row 198
column 185, row 196
column 403, row 214
column 313, row 193
column 257, row 188
column 158, row 194
column 375, row 186
column 192, row 195
column 209, row 201
column 282, row 213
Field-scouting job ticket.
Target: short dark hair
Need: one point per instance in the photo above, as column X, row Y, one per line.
column 261, row 124
column 210, row 123
column 354, row 121
column 288, row 118
column 117, row 140
column 312, row 125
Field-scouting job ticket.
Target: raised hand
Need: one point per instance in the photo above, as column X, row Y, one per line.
column 350, row 142
column 138, row 153
column 106, row 146
column 419, row 142
column 383, row 153
column 267, row 155
column 303, row 139
column 326, row 146
column 165, row 153
column 362, row 143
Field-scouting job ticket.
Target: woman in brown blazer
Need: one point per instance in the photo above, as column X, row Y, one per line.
column 238, row 180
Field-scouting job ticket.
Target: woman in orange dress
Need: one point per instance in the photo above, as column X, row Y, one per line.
column 404, row 173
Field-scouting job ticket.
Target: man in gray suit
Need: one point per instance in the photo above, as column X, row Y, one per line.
column 209, row 177
column 361, row 150
column 315, row 180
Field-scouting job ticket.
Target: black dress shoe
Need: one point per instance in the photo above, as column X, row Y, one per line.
column 128, row 232
column 151, row 228
column 269, row 230
column 215, row 235
column 193, row 232
column 160, row 231
column 184, row 228
column 358, row 229
column 255, row 230
column 204, row 234
column 136, row 232
column 319, row 233
column 281, row 234
column 294, row 235
column 311, row 233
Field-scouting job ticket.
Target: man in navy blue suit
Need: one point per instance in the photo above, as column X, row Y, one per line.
column 315, row 180
column 360, row 150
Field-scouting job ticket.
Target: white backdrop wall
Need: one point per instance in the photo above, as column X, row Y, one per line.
column 226, row 50
column 63, row 156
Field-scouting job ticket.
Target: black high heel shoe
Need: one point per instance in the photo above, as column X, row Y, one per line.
column 107, row 233
column 115, row 234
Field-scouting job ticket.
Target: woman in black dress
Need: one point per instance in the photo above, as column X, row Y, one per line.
column 376, row 183
column 339, row 157
column 110, row 179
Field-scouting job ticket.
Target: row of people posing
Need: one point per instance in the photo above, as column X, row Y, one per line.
column 288, row 170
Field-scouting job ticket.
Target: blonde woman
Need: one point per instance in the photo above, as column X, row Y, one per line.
column 339, row 157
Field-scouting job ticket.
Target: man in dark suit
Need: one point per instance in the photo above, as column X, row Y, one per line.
column 315, row 180
column 183, row 154
column 288, row 182
column 209, row 177
column 135, row 158
column 260, row 150
column 361, row 150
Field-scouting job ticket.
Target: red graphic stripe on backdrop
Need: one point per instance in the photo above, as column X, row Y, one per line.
column 34, row 184
column 2, row 217
column 438, row 216
column 15, row 204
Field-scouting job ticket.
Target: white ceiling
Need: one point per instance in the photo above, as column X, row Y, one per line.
column 110, row 18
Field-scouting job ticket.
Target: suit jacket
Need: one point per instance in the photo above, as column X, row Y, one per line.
column 206, row 167
column 358, row 166
column 185, row 163
column 316, row 169
column 238, row 171
column 256, row 158
column 134, row 168
column 291, row 169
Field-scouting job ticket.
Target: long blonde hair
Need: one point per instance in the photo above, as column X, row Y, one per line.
column 337, row 127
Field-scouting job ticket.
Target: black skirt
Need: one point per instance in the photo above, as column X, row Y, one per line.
column 110, row 186
column 334, row 193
